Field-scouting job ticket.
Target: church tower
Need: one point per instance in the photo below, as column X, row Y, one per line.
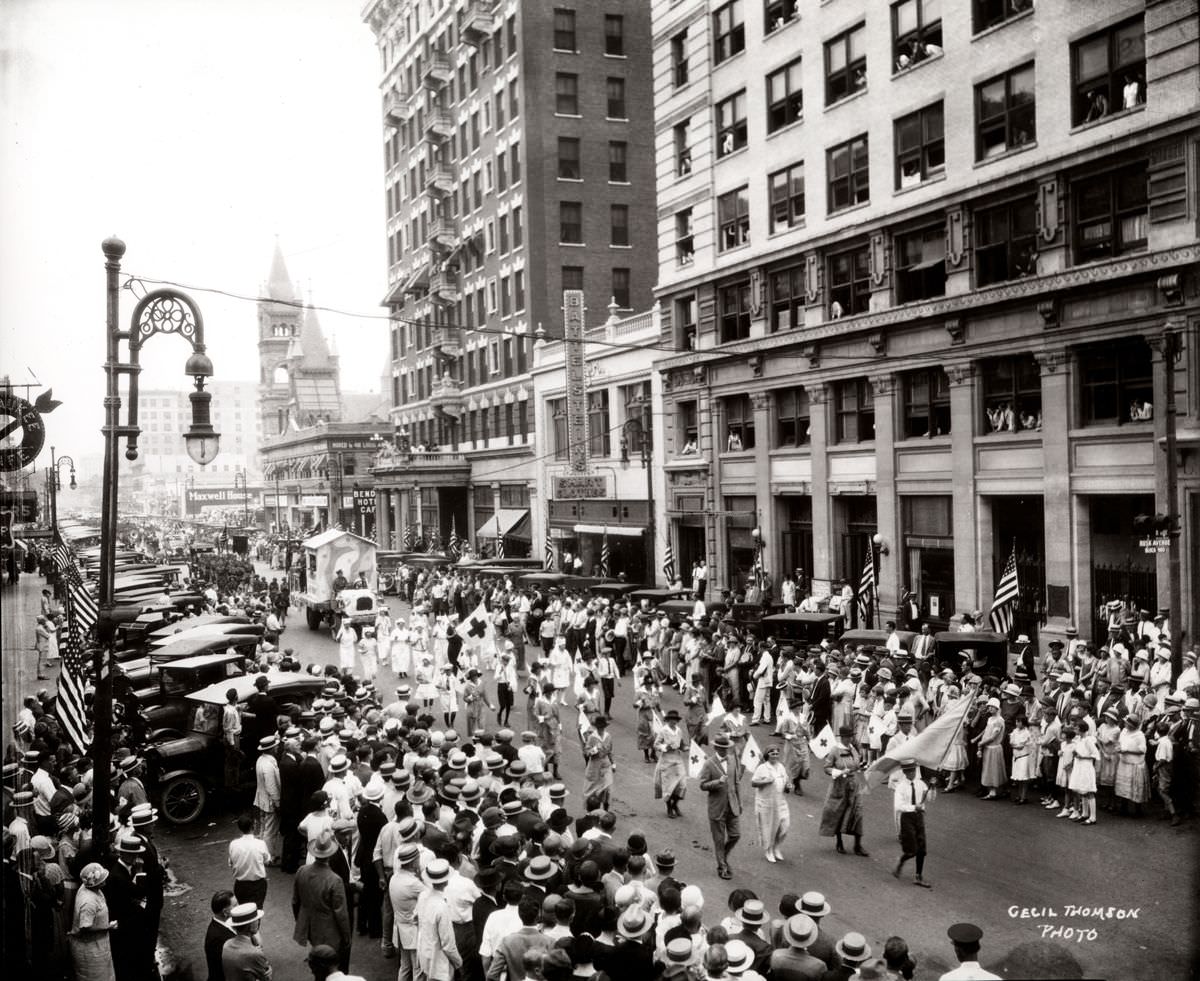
column 279, row 318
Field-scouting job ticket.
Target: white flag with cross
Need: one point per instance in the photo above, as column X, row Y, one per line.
column 477, row 629
column 717, row 709
column 822, row 742
column 751, row 755
column 696, row 760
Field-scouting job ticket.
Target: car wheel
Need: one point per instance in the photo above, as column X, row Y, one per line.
column 314, row 619
column 183, row 799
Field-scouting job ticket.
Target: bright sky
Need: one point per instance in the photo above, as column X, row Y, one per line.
column 197, row 131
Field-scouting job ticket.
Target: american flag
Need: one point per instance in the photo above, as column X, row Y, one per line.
column 452, row 548
column 1008, row 591
column 81, row 613
column 604, row 556
column 435, row 541
column 406, row 540
column 548, row 561
column 669, row 562
column 866, row 588
column 758, row 566
column 499, row 547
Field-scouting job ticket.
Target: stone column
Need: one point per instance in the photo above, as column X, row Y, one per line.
column 822, row 510
column 1056, row 483
column 383, row 522
column 972, row 547
column 887, row 503
column 718, row 560
column 764, row 403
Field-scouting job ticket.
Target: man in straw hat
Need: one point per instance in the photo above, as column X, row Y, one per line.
column 319, row 902
column 793, row 962
column 852, row 950
column 267, row 796
column 437, row 956
column 242, row 957
column 125, row 893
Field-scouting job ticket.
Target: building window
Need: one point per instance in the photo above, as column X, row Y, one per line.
column 614, row 35
column 854, row 405
column 599, row 443
column 688, row 429
column 501, row 172
column 729, row 31
column 685, row 242
column 1005, row 242
column 778, row 13
column 920, row 146
column 733, row 219
column 786, row 191
column 514, row 99
column 916, row 31
column 787, row 299
column 1004, row 113
column 637, row 401
column 921, row 264
column 845, row 64
column 1012, row 394
column 615, row 87
column 1111, row 213
column 620, row 288
column 683, row 149
column 618, row 170
column 926, row 403
column 685, row 323
column 731, row 124
column 505, row 297
column 785, row 99
column 679, row 59
column 849, row 174
column 792, row 418
column 519, row 293
column 570, row 222
column 989, row 13
column 498, row 112
column 558, row 425
column 572, row 277
column 1109, row 71
column 849, row 283
column 518, row 230
column 1116, row 383
column 502, row 224
column 566, row 94
column 568, row 158
column 733, row 312
column 564, row 29
column 739, row 422
column 619, row 225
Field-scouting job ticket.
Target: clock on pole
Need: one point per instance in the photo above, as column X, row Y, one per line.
column 22, row 431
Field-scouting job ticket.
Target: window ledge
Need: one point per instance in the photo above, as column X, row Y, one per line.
column 1011, row 152
column 568, row 115
column 616, row 119
column 733, row 249
column 928, row 59
column 867, row 445
column 739, row 454
column 690, row 462
column 780, row 232
column 1020, row 436
column 908, row 442
column 616, row 57
column 566, row 51
column 849, row 208
column 571, row 180
column 1003, row 24
column 1109, row 430
column 613, row 245
column 572, row 245
column 1111, row 117
column 935, row 179
column 776, row 31
column 733, row 153
column 620, row 184
column 787, row 126
column 848, row 98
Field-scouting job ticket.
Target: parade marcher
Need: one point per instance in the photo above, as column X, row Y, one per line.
column 795, row 755
column 598, row 753
column 670, row 773
column 347, row 641
column 771, row 813
column 843, row 809
column 720, row 778
column 909, row 800
column 242, row 957
column 248, row 858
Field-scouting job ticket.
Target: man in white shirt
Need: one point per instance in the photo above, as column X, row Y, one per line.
column 908, row 804
column 893, row 639
column 248, row 857
column 267, row 796
column 966, row 937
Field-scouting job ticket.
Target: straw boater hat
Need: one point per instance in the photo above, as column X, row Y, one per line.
column 799, row 930
column 244, row 914
column 634, row 923
column 853, row 948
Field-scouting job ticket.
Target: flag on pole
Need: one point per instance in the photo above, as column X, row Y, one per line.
column 407, row 539
column 435, row 541
column 454, row 545
column 751, row 754
column 548, row 559
column 928, row 747
column 717, row 709
column 822, row 742
column 477, row 629
column 866, row 589
column 1007, row 592
column 669, row 562
column 604, row 555
column 758, row 567
column 72, row 711
column 696, row 759
column 499, row 547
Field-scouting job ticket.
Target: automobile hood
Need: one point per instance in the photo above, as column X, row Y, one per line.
column 193, row 742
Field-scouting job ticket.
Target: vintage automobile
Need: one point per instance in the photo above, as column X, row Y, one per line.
column 876, row 638
column 205, row 630
column 679, row 611
column 614, row 591
column 967, row 648
column 185, row 766
column 361, row 605
column 161, row 700
column 172, row 628
column 137, row 665
column 655, row 597
column 801, row 629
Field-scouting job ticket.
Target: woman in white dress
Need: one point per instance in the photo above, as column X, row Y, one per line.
column 843, row 695
column 368, row 654
column 1083, row 776
column 991, row 751
column 383, row 634
column 1021, row 741
column 447, row 686
column 1132, row 780
column 427, row 689
column 347, row 641
column 441, row 641
column 401, row 648
column 770, row 804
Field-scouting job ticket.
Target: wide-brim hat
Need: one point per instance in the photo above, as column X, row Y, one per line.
column 373, row 792
column 323, row 847
column 739, row 956
column 813, row 904
column 143, row 815
column 845, row 731
column 437, row 871
column 753, row 913
column 1023, row 639
column 539, row 869
column 128, row 763
column 419, row 794
column 244, row 914
column 853, row 947
column 268, row 742
column 93, row 875
column 799, row 930
column 721, row 741
column 634, row 923
column 672, row 716
column 130, row 845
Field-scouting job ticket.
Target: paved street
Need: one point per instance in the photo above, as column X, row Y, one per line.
column 988, row 861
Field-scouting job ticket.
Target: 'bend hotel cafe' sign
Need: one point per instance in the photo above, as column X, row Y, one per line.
column 196, row 499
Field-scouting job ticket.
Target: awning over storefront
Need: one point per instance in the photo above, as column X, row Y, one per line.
column 505, row 523
column 609, row 529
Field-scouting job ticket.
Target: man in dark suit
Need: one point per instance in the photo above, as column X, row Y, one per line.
column 125, row 894
column 633, row 957
column 312, row 774
column 291, row 804
column 219, row 931
column 142, row 818
column 719, row 778
column 264, row 709
column 319, row 903
column 822, row 699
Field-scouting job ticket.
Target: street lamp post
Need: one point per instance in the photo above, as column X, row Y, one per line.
column 55, row 485
column 162, row 311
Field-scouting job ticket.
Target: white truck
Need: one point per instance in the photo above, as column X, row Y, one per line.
column 325, row 556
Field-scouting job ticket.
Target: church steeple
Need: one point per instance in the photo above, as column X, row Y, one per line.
column 279, row 285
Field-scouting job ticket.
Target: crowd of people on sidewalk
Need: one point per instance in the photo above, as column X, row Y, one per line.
column 412, row 813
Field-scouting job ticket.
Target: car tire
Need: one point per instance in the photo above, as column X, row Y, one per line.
column 183, row 799
column 314, row 619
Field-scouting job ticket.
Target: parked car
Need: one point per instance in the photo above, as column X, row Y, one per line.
column 655, row 597
column 614, row 591
column 184, row 767
column 876, row 638
column 679, row 611
column 169, row 629
column 137, row 664
column 162, row 699
column 802, row 629
column 206, row 630
column 956, row 647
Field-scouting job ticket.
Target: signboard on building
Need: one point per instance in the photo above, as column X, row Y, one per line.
column 577, row 486
column 364, row 500
column 197, row 498
column 314, row 501
column 576, row 374
column 23, row 504
column 1154, row 546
